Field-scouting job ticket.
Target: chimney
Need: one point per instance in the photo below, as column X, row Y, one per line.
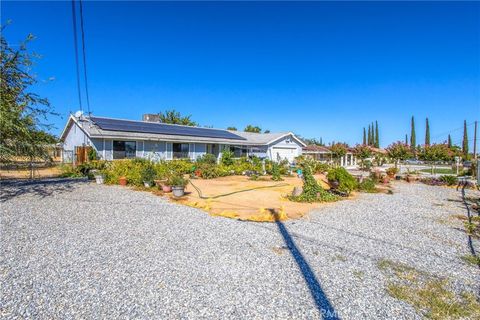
column 150, row 117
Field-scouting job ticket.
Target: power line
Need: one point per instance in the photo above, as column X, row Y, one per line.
column 74, row 20
column 84, row 56
column 453, row 130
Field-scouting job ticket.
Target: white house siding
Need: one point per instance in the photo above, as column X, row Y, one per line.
column 75, row 138
column 199, row 150
column 155, row 150
column 98, row 146
column 287, row 147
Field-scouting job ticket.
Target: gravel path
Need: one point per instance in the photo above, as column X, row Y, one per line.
column 80, row 250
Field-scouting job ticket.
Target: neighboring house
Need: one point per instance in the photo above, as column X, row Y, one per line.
column 119, row 139
column 323, row 154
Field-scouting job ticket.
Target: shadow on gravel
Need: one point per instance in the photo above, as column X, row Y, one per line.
column 469, row 216
column 321, row 300
column 42, row 187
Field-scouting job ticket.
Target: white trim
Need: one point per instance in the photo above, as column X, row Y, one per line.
column 286, row 135
column 104, row 151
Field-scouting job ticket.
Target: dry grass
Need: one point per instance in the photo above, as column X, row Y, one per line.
column 429, row 295
column 50, row 172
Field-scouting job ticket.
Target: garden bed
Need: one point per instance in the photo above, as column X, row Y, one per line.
column 240, row 198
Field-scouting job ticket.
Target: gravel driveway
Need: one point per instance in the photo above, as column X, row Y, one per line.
column 79, row 250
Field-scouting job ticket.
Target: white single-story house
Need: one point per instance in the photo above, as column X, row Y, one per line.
column 119, row 139
column 323, row 154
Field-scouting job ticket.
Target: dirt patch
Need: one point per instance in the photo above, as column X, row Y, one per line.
column 240, row 198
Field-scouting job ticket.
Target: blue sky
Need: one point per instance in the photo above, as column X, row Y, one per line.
column 319, row 69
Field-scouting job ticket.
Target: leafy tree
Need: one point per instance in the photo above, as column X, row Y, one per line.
column 254, row 129
column 266, row 131
column 364, row 136
column 232, row 128
column 313, row 141
column 399, row 151
column 174, row 117
column 436, row 152
column 22, row 112
column 413, row 139
column 377, row 138
column 427, row 133
column 362, row 152
column 338, row 151
column 465, row 140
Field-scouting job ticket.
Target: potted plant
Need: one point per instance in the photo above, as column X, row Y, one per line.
column 178, row 183
column 148, row 174
column 122, row 181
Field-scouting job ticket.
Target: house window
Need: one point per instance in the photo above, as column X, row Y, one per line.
column 238, row 151
column 180, row 150
column 124, row 149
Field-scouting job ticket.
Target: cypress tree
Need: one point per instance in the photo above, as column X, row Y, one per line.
column 364, row 136
column 377, row 138
column 449, row 141
column 413, row 141
column 427, row 133
column 369, row 141
column 465, row 140
column 373, row 135
column 406, row 139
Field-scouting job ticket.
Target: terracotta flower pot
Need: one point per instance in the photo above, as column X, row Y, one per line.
column 122, row 181
column 166, row 188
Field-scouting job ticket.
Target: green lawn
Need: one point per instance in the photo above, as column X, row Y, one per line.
column 440, row 171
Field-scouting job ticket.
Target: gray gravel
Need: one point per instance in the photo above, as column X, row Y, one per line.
column 79, row 250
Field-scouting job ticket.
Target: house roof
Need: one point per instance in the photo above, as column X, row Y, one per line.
column 316, row 149
column 110, row 128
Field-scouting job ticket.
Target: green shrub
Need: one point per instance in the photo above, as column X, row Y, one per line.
column 316, row 166
column 346, row 182
column 367, row 185
column 449, row 180
column 227, row 157
column 148, row 172
column 92, row 154
column 312, row 191
column 276, row 176
column 177, row 181
column 132, row 169
column 207, row 158
column 208, row 171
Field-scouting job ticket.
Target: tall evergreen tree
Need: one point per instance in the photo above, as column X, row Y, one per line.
column 369, row 140
column 373, row 135
column 413, row 140
column 449, row 141
column 377, row 138
column 465, row 139
column 427, row 133
column 406, row 139
column 364, row 136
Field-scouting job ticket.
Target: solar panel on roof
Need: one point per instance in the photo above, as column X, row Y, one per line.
column 161, row 128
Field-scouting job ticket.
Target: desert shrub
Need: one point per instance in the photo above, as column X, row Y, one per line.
column 367, row 185
column 208, row 171
column 69, row 171
column 316, row 166
column 276, row 176
column 312, row 191
column 207, row 158
column 392, row 171
column 239, row 166
column 449, row 180
column 227, row 158
column 346, row 182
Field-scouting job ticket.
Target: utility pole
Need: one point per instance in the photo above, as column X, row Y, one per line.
column 475, row 142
